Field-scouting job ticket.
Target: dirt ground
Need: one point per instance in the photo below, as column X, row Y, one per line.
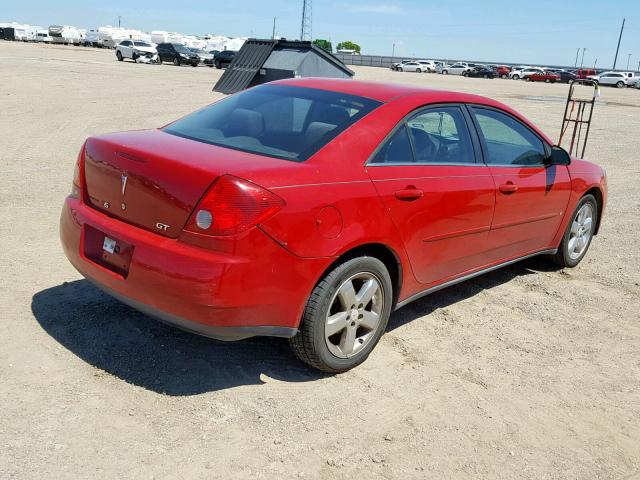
column 525, row 373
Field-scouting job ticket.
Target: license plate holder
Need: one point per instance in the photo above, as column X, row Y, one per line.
column 107, row 251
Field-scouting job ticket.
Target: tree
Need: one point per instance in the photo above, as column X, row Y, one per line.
column 348, row 45
column 324, row 44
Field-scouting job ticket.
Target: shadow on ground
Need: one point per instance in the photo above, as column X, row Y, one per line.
column 142, row 351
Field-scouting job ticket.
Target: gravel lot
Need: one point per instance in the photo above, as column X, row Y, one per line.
column 525, row 373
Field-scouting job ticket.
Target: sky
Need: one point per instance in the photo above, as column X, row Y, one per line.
column 538, row 31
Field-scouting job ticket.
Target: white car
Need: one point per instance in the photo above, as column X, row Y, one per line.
column 441, row 66
column 43, row 36
column 617, row 79
column 516, row 74
column 412, row 67
column 136, row 50
column 636, row 83
column 396, row 65
column 457, row 69
column 429, row 65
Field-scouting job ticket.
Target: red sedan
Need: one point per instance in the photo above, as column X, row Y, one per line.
column 313, row 208
column 548, row 77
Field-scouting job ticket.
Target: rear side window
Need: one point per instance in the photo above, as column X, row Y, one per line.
column 507, row 141
column 275, row 120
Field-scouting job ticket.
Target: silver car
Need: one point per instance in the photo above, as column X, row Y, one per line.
column 412, row 67
column 457, row 69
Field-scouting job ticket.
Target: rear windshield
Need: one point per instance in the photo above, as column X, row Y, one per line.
column 275, row 120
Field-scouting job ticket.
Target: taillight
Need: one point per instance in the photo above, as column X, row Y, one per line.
column 78, row 176
column 233, row 205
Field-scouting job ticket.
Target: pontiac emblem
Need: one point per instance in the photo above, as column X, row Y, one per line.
column 124, row 183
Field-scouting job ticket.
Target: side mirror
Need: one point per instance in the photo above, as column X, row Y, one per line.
column 558, row 156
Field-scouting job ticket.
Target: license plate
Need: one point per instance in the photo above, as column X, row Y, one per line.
column 109, row 245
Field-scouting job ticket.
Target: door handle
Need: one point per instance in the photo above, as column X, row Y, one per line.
column 409, row 194
column 508, row 188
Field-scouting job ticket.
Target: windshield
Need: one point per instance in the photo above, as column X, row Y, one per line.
column 141, row 44
column 286, row 122
column 181, row 48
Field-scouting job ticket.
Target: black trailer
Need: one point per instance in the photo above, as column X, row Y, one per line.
column 9, row 33
column 262, row 61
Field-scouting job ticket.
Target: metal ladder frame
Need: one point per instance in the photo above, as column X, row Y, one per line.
column 579, row 106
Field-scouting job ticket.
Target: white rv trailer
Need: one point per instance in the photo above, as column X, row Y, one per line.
column 25, row 33
column 92, row 38
column 64, row 34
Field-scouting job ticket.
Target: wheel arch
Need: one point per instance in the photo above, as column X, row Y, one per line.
column 597, row 194
column 380, row 251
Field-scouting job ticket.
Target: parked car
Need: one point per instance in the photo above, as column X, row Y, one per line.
column 428, row 65
column 481, row 72
column 395, row 66
column 502, row 71
column 544, row 76
column 412, row 67
column 584, row 73
column 43, row 36
column 565, row 76
column 457, row 69
column 636, row 83
column 135, row 50
column 520, row 74
column 631, row 77
column 224, row 58
column 440, row 66
column 616, row 79
column 177, row 54
column 350, row 199
column 205, row 57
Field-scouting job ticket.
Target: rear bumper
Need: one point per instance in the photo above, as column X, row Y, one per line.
column 253, row 287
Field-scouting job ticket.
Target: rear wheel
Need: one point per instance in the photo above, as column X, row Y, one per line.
column 579, row 233
column 119, row 56
column 176, row 61
column 445, row 72
column 620, row 84
column 418, row 70
column 218, row 65
column 345, row 316
column 516, row 77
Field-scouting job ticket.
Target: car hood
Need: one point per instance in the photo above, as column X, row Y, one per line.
column 145, row 49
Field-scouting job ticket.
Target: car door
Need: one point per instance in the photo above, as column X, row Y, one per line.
column 438, row 193
column 457, row 69
column 531, row 197
column 125, row 48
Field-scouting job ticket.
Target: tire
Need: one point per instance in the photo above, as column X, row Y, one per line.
column 134, row 57
column 119, row 56
column 445, row 72
column 516, row 77
column 218, row 65
column 528, row 79
column 620, row 84
column 546, row 80
column 418, row 70
column 176, row 61
column 400, row 69
column 567, row 255
column 504, row 76
column 327, row 353
column 485, row 76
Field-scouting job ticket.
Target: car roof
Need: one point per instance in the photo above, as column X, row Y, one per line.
column 388, row 92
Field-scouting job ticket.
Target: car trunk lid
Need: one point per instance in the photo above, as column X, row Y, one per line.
column 154, row 180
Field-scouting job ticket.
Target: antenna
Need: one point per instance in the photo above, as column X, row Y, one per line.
column 305, row 30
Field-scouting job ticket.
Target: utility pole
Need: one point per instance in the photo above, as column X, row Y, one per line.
column 582, row 60
column 273, row 33
column 119, row 18
column 628, row 60
column 595, row 63
column 393, row 51
column 577, row 53
column 615, row 60
column 305, row 30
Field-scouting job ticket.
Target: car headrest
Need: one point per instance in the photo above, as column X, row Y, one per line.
column 334, row 115
column 246, row 123
column 317, row 130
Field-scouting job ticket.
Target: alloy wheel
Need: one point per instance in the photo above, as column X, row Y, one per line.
column 354, row 314
column 581, row 231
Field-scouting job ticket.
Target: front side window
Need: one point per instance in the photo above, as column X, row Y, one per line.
column 286, row 122
column 440, row 135
column 507, row 141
